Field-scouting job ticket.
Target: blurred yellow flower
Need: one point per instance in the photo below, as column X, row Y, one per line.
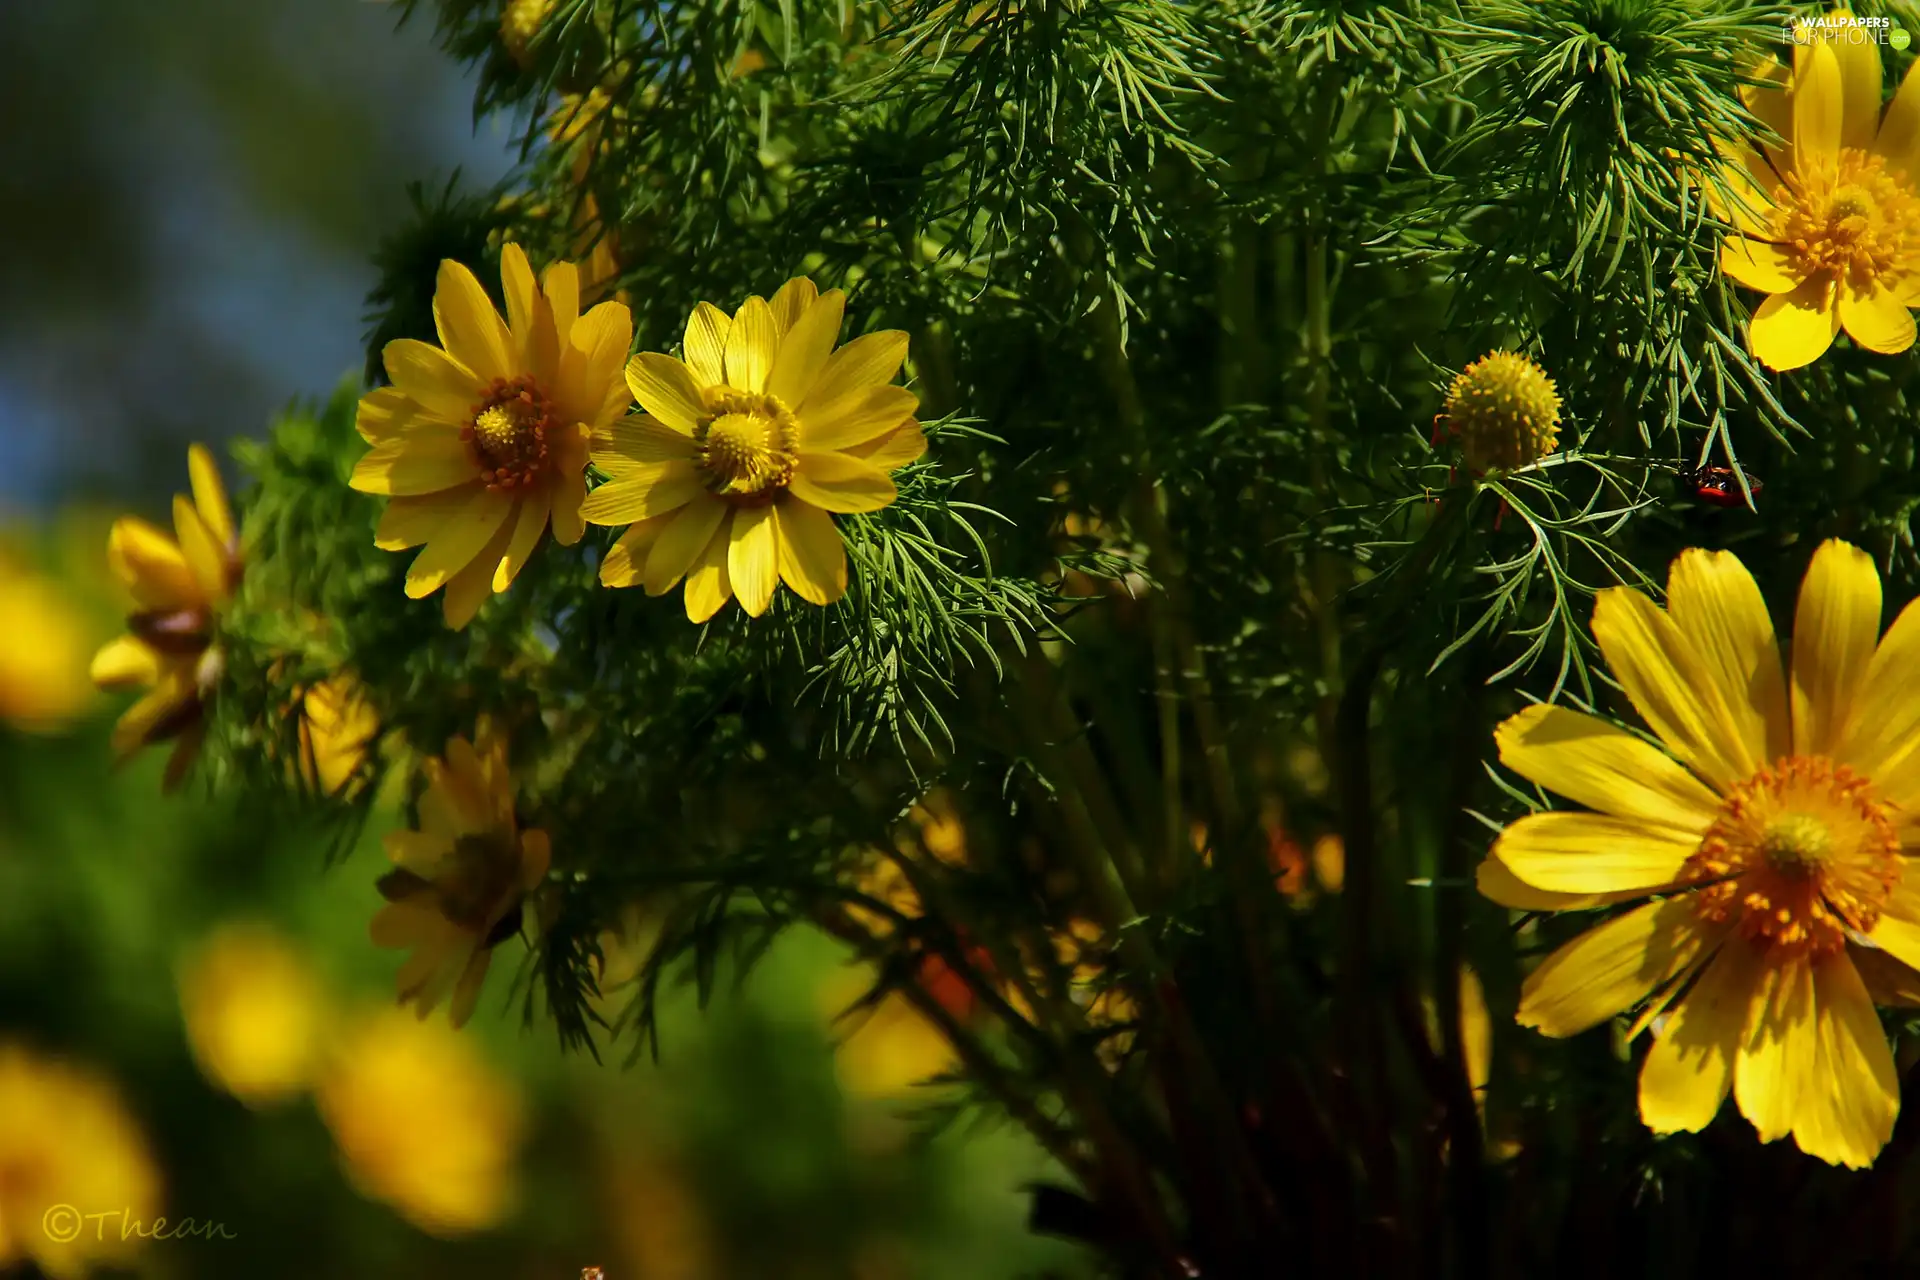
column 336, row 729
column 255, row 1012
column 942, row 833
column 178, row 584
column 890, row 1048
column 519, row 23
column 462, row 876
column 729, row 479
column 43, row 665
column 1329, row 858
column 67, row 1143
column 481, row 441
column 423, row 1123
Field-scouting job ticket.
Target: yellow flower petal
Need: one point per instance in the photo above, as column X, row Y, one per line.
column 151, row 566
column 1852, row 1091
column 420, row 852
column 536, row 856
column 1662, row 673
column 1602, row 767
column 1791, row 330
column 666, row 389
column 867, row 361
column 561, row 283
column 1877, row 319
column 459, row 542
column 124, row 662
column 1835, row 629
column 203, row 555
column 1766, row 94
column 386, row 414
column 529, row 522
column 466, row 992
column 590, row 387
column 708, row 588
column 813, row 560
column 620, row 447
column 1772, row 1072
column 626, row 559
column 905, row 443
column 412, row 522
column 752, row 556
column 416, row 465
column 1819, row 103
column 517, row 284
column 649, row 489
column 471, row 587
column 443, row 387
column 471, row 331
column 1888, row 982
column 1716, row 604
column 705, row 345
column 1899, row 137
column 1884, row 730
column 790, row 302
column 751, row 344
column 1757, row 265
column 682, row 542
column 856, row 418
column 1689, row 1069
column 210, row 496
column 173, row 696
column 1611, row 967
column 804, row 351
column 1858, row 60
column 1498, row 884
column 1898, row 930
column 834, row 482
column 1593, row 853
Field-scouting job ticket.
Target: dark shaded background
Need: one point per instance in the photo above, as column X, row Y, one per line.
column 190, row 194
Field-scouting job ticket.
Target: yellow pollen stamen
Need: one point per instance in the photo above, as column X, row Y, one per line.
column 508, row 433
column 1801, row 854
column 1849, row 218
column 748, row 448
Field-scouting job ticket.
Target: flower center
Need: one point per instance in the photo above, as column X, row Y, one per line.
column 478, row 878
column 508, row 434
column 1849, row 218
column 1802, row 853
column 748, row 448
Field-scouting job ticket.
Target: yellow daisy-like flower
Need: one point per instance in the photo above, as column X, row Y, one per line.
column 178, row 584
column 255, row 1012
column 746, row 446
column 1776, row 831
column 461, row 878
column 482, row 440
column 1827, row 222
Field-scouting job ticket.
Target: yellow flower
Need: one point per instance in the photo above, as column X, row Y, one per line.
column 423, row 1123
column 1773, row 828
column 481, row 440
column 461, row 878
column 178, row 585
column 68, row 1148
column 1504, row 411
column 254, row 1011
column 337, row 728
column 891, row 1048
column 744, row 448
column 520, row 22
column 43, row 667
column 1828, row 223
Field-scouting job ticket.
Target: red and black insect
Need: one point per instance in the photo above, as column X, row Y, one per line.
column 1718, row 486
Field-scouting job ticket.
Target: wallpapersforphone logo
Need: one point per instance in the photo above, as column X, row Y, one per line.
column 64, row 1224
column 1846, row 29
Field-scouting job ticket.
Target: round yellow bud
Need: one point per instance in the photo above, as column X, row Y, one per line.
column 1504, row 411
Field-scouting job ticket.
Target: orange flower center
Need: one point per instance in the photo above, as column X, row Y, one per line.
column 1801, row 854
column 508, row 434
column 1848, row 217
column 478, row 879
column 748, row 447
